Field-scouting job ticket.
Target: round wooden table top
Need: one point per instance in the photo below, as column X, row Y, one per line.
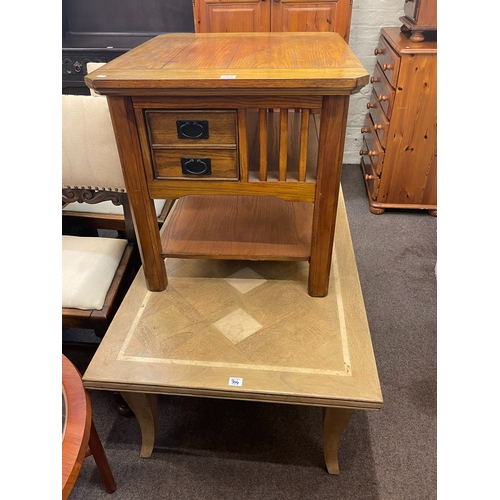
column 77, row 419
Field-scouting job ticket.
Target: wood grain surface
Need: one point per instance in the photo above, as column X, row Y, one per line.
column 238, row 227
column 219, row 319
column 76, row 431
column 305, row 63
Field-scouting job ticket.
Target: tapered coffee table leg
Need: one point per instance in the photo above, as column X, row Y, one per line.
column 334, row 422
column 145, row 408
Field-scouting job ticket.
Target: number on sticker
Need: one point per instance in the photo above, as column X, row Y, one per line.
column 235, row 381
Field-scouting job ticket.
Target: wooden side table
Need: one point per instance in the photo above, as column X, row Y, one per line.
column 218, row 116
column 79, row 436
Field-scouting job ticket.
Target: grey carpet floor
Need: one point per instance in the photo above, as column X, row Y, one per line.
column 215, row 449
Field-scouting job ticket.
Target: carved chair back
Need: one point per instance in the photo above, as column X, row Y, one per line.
column 91, row 169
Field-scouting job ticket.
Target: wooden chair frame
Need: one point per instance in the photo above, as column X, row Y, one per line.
column 104, row 221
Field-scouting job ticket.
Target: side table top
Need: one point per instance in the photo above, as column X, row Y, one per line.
column 307, row 63
column 245, row 330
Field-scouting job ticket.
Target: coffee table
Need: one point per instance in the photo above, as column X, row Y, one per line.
column 244, row 330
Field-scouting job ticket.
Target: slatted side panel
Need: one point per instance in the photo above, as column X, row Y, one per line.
column 263, row 144
column 281, row 145
column 243, row 143
column 304, row 135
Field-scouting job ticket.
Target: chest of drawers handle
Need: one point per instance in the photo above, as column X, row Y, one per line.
column 368, row 153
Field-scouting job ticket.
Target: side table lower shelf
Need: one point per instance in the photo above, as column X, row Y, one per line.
column 239, row 228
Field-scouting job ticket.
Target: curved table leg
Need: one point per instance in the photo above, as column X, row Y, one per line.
column 144, row 407
column 334, row 422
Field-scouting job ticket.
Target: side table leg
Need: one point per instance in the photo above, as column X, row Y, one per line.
column 334, row 422
column 330, row 154
column 142, row 207
column 145, row 408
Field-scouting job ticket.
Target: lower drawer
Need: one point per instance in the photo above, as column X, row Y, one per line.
column 371, row 178
column 371, row 145
column 179, row 163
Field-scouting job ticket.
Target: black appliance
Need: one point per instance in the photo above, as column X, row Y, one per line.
column 101, row 30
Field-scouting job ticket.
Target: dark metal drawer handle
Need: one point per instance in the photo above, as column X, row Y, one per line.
column 196, row 166
column 192, row 129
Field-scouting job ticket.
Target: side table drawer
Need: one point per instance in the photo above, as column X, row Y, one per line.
column 189, row 163
column 388, row 60
column 186, row 128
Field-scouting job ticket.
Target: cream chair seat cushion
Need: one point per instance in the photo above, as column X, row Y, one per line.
column 88, row 267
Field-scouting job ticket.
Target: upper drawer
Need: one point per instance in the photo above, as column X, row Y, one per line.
column 385, row 93
column 388, row 60
column 186, row 128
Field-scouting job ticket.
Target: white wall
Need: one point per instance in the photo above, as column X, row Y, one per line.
column 368, row 17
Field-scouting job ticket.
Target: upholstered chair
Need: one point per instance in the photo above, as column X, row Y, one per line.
column 96, row 271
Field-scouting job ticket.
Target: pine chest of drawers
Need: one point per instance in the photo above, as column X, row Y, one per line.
column 399, row 155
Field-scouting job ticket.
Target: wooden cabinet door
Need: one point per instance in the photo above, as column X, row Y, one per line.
column 221, row 16
column 307, row 15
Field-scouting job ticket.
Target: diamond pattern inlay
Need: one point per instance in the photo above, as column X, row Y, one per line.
column 237, row 326
column 245, row 279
